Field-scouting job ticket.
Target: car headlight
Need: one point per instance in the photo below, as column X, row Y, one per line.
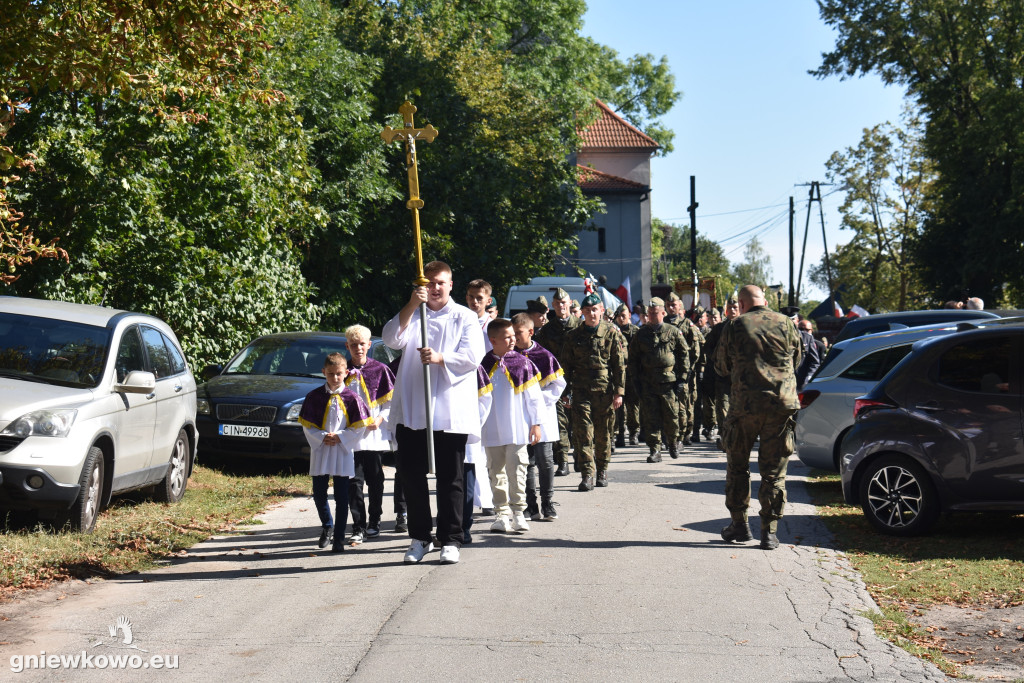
column 42, row 423
column 293, row 413
column 203, row 406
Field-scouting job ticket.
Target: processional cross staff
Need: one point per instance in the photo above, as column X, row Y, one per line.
column 410, row 134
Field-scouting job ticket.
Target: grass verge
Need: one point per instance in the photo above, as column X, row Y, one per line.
column 967, row 560
column 134, row 532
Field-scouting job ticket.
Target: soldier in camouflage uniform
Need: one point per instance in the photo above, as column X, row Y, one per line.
column 722, row 382
column 687, row 393
column 658, row 359
column 551, row 337
column 595, row 367
column 628, row 416
column 760, row 350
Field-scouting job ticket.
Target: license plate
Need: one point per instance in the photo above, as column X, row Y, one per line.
column 245, row 430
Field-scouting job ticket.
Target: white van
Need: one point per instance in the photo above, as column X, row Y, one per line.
column 518, row 295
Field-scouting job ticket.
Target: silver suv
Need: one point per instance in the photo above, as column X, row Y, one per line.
column 93, row 402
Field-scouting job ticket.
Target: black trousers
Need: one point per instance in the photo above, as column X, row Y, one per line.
column 449, row 456
column 369, row 470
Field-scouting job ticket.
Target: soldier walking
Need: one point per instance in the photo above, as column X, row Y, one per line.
column 658, row 360
column 628, row 416
column 760, row 351
column 687, row 393
column 552, row 337
column 594, row 360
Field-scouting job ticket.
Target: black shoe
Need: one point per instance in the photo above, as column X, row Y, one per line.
column 401, row 523
column 696, row 438
column 466, row 538
column 655, row 455
column 738, row 532
column 620, row 441
column 373, row 529
column 718, row 442
column 357, row 537
column 532, row 513
column 548, row 512
column 673, row 451
column 325, row 537
column 602, row 478
column 768, row 540
column 686, row 441
column 337, row 548
column 563, row 470
column 632, row 439
column 486, row 512
column 587, row 484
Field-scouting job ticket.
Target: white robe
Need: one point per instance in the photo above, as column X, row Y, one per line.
column 337, row 459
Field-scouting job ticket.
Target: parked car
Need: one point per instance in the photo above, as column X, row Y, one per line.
column 941, row 432
column 93, row 402
column 884, row 322
column 251, row 405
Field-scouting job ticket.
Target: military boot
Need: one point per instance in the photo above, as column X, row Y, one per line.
column 673, row 451
column 632, row 439
column 737, row 531
column 686, row 440
column 562, row 470
column 587, row 484
column 620, row 440
column 655, row 455
column 768, row 540
column 602, row 478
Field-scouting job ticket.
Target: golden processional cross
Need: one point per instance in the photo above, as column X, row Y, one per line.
column 409, row 134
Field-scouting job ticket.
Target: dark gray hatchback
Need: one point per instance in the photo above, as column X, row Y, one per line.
column 943, row 431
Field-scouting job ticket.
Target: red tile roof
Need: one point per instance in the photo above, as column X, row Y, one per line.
column 592, row 180
column 611, row 131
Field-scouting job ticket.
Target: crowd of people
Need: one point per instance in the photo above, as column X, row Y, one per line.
column 516, row 403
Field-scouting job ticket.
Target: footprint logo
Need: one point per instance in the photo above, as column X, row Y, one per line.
column 125, row 627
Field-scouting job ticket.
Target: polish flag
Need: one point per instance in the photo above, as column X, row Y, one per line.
column 588, row 284
column 624, row 294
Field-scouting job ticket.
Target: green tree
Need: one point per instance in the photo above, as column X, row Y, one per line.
column 755, row 268
column 960, row 63
column 132, row 50
column 671, row 253
column 886, row 180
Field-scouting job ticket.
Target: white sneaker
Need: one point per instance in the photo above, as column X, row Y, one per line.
column 416, row 551
column 502, row 525
column 449, row 554
column 519, row 522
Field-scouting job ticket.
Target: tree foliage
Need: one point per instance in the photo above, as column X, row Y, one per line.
column 960, row 62
column 671, row 253
column 886, row 180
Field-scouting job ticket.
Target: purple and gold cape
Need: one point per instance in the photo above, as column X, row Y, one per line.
column 317, row 406
column 545, row 361
column 519, row 369
column 376, row 380
column 483, row 382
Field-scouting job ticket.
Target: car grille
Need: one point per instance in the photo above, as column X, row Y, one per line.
column 246, row 413
column 9, row 443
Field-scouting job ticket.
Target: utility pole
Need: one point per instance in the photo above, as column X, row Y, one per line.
column 792, row 292
column 693, row 235
column 814, row 195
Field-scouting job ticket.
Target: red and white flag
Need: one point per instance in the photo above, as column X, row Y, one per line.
column 624, row 294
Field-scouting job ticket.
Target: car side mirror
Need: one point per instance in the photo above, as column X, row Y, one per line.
column 137, row 382
column 211, row 371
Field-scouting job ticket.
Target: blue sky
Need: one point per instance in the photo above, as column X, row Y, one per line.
column 751, row 124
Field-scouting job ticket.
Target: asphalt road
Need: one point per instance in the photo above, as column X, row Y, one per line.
column 632, row 582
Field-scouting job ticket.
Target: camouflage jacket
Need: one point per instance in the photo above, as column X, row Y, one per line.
column 760, row 351
column 595, row 359
column 711, row 341
column 694, row 339
column 552, row 335
column 658, row 355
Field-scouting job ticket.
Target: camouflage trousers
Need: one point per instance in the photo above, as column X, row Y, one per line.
column 592, row 423
column 661, row 416
column 721, row 405
column 777, row 441
column 628, row 417
column 686, row 397
column 562, row 447
column 708, row 404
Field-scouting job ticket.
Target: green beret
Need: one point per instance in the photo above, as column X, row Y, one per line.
column 561, row 294
column 623, row 308
column 656, row 301
column 592, row 300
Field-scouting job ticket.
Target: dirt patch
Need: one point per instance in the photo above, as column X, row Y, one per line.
column 987, row 641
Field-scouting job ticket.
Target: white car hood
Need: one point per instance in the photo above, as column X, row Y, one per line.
column 18, row 397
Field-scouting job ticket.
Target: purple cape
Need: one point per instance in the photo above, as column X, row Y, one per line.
column 519, row 369
column 376, row 379
column 318, row 402
column 545, row 361
column 483, row 382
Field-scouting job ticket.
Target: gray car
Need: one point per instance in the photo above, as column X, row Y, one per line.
column 851, row 369
column 944, row 431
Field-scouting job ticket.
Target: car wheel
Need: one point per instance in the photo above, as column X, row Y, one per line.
column 86, row 508
column 172, row 488
column 898, row 497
